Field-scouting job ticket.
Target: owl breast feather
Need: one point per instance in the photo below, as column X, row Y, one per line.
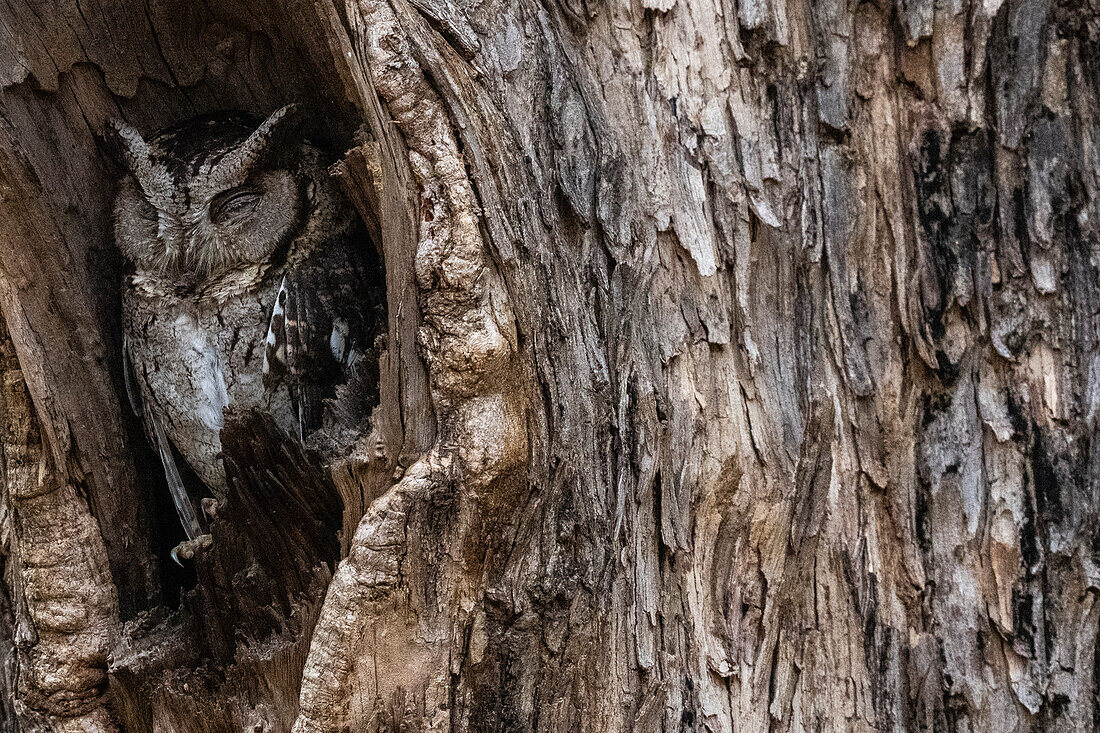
column 191, row 359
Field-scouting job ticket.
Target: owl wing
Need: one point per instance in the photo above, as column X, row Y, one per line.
column 154, row 428
column 324, row 318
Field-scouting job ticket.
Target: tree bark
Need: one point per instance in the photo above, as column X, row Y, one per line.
column 741, row 373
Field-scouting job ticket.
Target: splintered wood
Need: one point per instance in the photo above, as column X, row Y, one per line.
column 742, row 369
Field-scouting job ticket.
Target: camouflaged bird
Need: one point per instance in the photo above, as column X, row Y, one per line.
column 249, row 286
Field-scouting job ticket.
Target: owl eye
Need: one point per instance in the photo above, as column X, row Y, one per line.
column 234, row 202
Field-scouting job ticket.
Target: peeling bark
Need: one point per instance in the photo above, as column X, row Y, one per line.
column 65, row 611
column 366, row 664
column 742, row 366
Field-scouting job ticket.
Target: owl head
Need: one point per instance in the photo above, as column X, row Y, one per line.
column 216, row 193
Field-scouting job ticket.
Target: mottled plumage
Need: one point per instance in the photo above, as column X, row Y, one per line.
column 252, row 284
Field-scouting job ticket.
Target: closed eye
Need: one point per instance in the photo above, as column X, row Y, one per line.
column 234, row 202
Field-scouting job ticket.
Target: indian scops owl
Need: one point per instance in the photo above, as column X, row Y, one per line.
column 252, row 285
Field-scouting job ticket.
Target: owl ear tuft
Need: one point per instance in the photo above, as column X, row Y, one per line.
column 274, row 135
column 139, row 157
column 137, row 154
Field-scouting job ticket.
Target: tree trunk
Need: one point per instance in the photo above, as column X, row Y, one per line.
column 741, row 374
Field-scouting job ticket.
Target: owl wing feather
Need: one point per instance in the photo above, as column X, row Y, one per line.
column 321, row 323
column 154, row 428
column 184, row 508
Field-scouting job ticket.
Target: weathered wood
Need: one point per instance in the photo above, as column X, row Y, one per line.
column 8, row 663
column 273, row 538
column 760, row 369
column 61, row 620
column 243, row 631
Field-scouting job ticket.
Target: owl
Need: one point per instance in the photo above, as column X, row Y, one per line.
column 251, row 284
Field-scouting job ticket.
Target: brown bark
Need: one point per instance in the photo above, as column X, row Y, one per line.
column 742, row 367
column 63, row 619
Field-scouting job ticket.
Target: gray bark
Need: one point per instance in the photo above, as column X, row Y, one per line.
column 742, row 371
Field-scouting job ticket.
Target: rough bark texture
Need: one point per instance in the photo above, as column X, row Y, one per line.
column 63, row 617
column 243, row 632
column 742, row 369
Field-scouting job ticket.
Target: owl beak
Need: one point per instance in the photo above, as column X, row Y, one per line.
column 268, row 138
column 141, row 160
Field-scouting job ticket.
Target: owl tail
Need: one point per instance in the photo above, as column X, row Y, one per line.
column 186, row 510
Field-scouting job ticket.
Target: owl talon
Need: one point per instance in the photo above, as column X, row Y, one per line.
column 189, row 548
column 210, row 507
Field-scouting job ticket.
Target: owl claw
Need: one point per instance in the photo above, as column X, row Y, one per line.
column 210, row 507
column 189, row 548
